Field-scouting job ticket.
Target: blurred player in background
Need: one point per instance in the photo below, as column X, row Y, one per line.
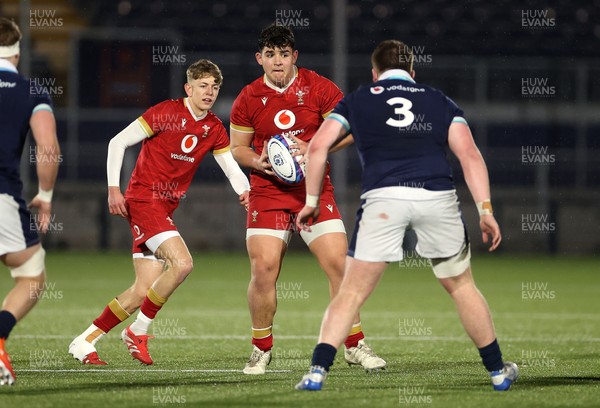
column 406, row 182
column 22, row 110
column 291, row 101
column 176, row 136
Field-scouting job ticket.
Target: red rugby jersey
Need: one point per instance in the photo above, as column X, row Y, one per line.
column 177, row 142
column 297, row 110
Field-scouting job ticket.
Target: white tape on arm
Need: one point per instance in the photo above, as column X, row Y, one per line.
column 312, row 200
column 485, row 207
column 45, row 195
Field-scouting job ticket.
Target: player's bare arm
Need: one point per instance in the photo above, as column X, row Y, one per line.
column 463, row 146
column 129, row 136
column 330, row 132
column 241, row 148
column 43, row 127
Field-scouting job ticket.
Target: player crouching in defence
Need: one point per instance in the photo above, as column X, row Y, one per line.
column 395, row 159
column 176, row 136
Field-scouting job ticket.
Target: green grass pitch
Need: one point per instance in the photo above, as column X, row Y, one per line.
column 546, row 312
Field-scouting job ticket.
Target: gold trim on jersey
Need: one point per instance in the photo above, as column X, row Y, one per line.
column 145, row 126
column 243, row 129
column 221, row 151
column 326, row 114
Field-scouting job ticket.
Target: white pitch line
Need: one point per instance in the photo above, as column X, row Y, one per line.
column 319, row 314
column 119, row 370
column 314, row 337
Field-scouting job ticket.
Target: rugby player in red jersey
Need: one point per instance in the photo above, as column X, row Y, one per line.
column 291, row 101
column 176, row 136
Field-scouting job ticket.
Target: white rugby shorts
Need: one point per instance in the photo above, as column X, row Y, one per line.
column 386, row 213
column 17, row 228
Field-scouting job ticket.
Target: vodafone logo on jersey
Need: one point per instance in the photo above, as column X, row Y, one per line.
column 376, row 90
column 285, row 119
column 188, row 143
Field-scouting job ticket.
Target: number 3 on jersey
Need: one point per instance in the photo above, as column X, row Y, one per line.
column 403, row 110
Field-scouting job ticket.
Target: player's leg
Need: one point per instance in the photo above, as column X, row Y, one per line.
column 472, row 308
column 28, row 270
column 476, row 318
column 147, row 269
column 359, row 281
column 327, row 241
column 266, row 249
column 442, row 237
column 177, row 265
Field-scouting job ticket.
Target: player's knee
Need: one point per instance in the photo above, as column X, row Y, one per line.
column 183, row 268
column 264, row 275
column 33, row 268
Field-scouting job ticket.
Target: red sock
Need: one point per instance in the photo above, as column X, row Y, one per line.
column 353, row 339
column 107, row 320
column 265, row 344
column 152, row 304
column 149, row 308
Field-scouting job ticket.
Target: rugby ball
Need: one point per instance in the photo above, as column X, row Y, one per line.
column 284, row 165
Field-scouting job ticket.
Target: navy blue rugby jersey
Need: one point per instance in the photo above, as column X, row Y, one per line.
column 400, row 129
column 18, row 101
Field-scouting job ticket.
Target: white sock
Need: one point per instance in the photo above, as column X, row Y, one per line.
column 141, row 324
column 92, row 334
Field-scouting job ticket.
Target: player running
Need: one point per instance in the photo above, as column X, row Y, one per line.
column 291, row 101
column 176, row 136
column 396, row 157
column 22, row 110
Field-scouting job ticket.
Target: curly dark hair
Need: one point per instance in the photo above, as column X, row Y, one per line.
column 276, row 36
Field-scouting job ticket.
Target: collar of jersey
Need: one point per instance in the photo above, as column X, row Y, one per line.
column 196, row 118
column 278, row 89
column 5, row 65
column 396, row 74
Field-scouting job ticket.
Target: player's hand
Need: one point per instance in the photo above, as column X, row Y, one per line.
column 116, row 202
column 306, row 215
column 44, row 210
column 300, row 148
column 263, row 162
column 245, row 199
column 489, row 228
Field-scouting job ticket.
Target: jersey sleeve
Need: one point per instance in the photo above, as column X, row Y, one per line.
column 331, row 95
column 341, row 113
column 455, row 114
column 41, row 100
column 240, row 119
column 152, row 120
column 222, row 141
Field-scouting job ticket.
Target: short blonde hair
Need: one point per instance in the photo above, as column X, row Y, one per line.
column 203, row 68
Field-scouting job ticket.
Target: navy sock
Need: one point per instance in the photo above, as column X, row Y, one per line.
column 491, row 356
column 323, row 355
column 7, row 322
